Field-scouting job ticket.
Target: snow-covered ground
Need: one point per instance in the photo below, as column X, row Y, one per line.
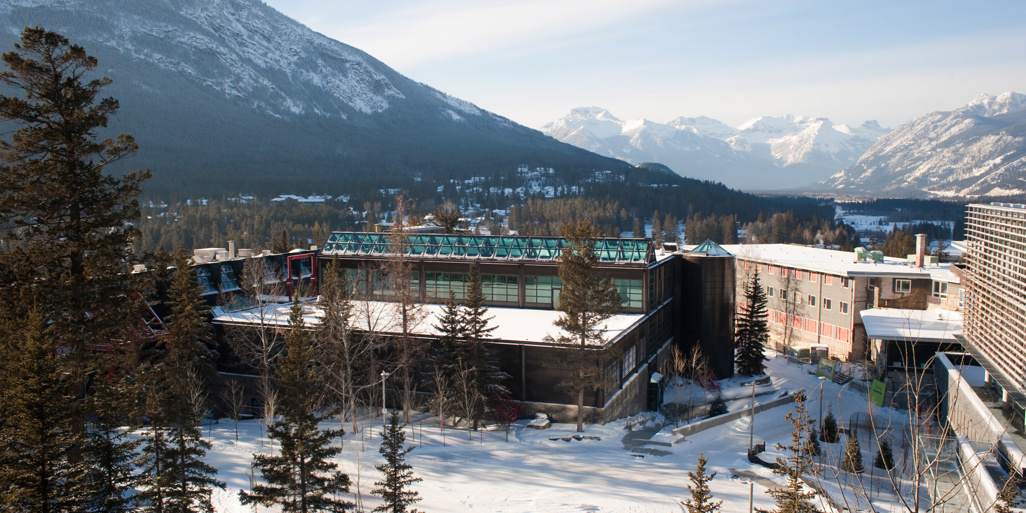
column 537, row 471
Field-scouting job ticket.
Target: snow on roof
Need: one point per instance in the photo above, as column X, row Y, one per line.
column 842, row 263
column 912, row 325
column 515, row 325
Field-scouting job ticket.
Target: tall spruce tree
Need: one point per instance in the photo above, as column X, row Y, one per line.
column 38, row 472
column 829, row 433
column 585, row 301
column 487, row 377
column 394, row 488
column 701, row 500
column 794, row 497
column 175, row 477
column 302, row 476
column 347, row 355
column 884, row 458
column 109, row 454
column 852, row 460
column 752, row 333
column 66, row 224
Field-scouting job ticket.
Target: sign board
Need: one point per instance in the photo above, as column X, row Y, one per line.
column 826, row 368
column 877, row 392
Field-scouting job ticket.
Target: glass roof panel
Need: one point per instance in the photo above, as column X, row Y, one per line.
column 611, row 250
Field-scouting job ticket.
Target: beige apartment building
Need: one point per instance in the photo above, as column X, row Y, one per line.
column 815, row 296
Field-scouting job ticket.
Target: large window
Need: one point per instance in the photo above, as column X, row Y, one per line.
column 204, row 280
column 228, row 281
column 501, row 288
column 902, row 285
column 439, row 284
column 357, row 279
column 629, row 360
column 630, row 292
column 940, row 289
column 542, row 290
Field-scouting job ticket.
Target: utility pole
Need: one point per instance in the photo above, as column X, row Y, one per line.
column 384, row 411
column 821, row 380
column 751, row 429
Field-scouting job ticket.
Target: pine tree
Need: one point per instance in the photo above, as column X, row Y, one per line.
column 487, row 378
column 718, row 406
column 752, row 333
column 884, row 458
column 67, row 224
column 450, row 338
column 585, row 301
column 814, row 448
column 701, row 497
column 794, row 498
column 394, row 489
column 852, row 460
column 110, row 456
column 36, row 443
column 175, row 477
column 302, row 476
column 829, row 434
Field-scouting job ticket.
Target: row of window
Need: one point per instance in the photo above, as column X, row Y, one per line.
column 828, row 304
column 497, row 288
column 800, row 274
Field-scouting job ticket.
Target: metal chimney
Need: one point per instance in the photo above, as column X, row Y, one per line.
column 231, row 250
column 920, row 249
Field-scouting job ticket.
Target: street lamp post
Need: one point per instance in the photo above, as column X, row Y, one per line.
column 384, row 411
column 751, row 425
column 821, row 379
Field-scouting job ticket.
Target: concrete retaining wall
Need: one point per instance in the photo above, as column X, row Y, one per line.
column 718, row 420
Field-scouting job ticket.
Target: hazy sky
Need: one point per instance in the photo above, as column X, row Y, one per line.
column 534, row 60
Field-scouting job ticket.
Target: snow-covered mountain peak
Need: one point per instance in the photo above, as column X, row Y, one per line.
column 947, row 154
column 986, row 105
column 702, row 147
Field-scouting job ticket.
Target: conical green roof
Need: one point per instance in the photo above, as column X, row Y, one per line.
column 710, row 248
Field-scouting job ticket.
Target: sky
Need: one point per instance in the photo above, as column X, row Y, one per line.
column 732, row 60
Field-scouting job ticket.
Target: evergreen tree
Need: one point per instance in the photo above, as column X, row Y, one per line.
column 752, row 333
column 852, row 460
column 487, row 378
column 884, row 458
column 348, row 356
column 282, row 244
column 814, row 448
column 585, row 301
column 793, row 497
column 451, row 334
column 302, row 476
column 66, row 224
column 718, row 406
column 701, row 497
column 394, row 489
column 109, row 454
column 175, row 477
column 829, row 434
column 36, row 441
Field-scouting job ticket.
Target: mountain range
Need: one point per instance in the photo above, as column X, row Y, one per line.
column 763, row 153
column 228, row 96
column 976, row 150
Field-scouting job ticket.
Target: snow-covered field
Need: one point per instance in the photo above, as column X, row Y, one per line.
column 531, row 472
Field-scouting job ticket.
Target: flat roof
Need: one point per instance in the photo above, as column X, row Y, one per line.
column 614, row 250
column 513, row 325
column 841, row 263
column 912, row 325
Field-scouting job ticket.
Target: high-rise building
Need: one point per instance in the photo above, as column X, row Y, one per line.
column 995, row 309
